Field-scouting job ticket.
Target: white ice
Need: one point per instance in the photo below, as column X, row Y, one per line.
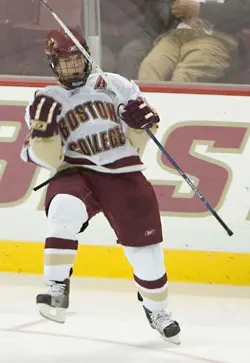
column 106, row 324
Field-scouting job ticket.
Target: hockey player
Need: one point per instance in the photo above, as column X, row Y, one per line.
column 81, row 129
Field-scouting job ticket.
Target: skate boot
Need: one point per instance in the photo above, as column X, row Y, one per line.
column 53, row 304
column 163, row 323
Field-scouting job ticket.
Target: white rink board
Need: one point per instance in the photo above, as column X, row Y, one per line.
column 193, row 231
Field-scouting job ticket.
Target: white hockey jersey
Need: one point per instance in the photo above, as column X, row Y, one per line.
column 91, row 130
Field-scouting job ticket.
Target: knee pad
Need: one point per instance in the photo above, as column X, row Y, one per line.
column 147, row 262
column 66, row 215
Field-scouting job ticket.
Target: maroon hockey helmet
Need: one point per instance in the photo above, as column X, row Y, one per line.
column 68, row 63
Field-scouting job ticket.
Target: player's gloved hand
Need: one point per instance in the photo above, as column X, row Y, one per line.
column 43, row 115
column 138, row 114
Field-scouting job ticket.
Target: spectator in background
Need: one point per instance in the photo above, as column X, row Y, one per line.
column 193, row 52
column 229, row 16
column 129, row 28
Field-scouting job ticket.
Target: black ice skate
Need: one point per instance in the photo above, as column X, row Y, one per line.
column 163, row 323
column 53, row 304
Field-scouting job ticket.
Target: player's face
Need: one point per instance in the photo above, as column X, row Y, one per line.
column 71, row 66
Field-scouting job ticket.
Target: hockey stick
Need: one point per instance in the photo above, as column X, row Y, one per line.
column 189, row 182
column 150, row 134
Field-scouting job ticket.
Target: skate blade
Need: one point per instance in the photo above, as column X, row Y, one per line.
column 173, row 340
column 58, row 315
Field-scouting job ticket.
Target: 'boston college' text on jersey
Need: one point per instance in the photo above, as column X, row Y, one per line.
column 90, row 130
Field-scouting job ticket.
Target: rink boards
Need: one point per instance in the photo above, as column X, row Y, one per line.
column 205, row 129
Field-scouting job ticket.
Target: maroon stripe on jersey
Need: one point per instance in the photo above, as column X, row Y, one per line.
column 129, row 161
column 155, row 284
column 61, row 243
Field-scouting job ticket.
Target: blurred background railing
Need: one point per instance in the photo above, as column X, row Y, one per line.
column 146, row 40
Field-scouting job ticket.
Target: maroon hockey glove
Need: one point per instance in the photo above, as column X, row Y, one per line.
column 43, row 116
column 138, row 114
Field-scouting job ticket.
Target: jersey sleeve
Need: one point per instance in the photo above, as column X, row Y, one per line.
column 43, row 145
column 124, row 89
